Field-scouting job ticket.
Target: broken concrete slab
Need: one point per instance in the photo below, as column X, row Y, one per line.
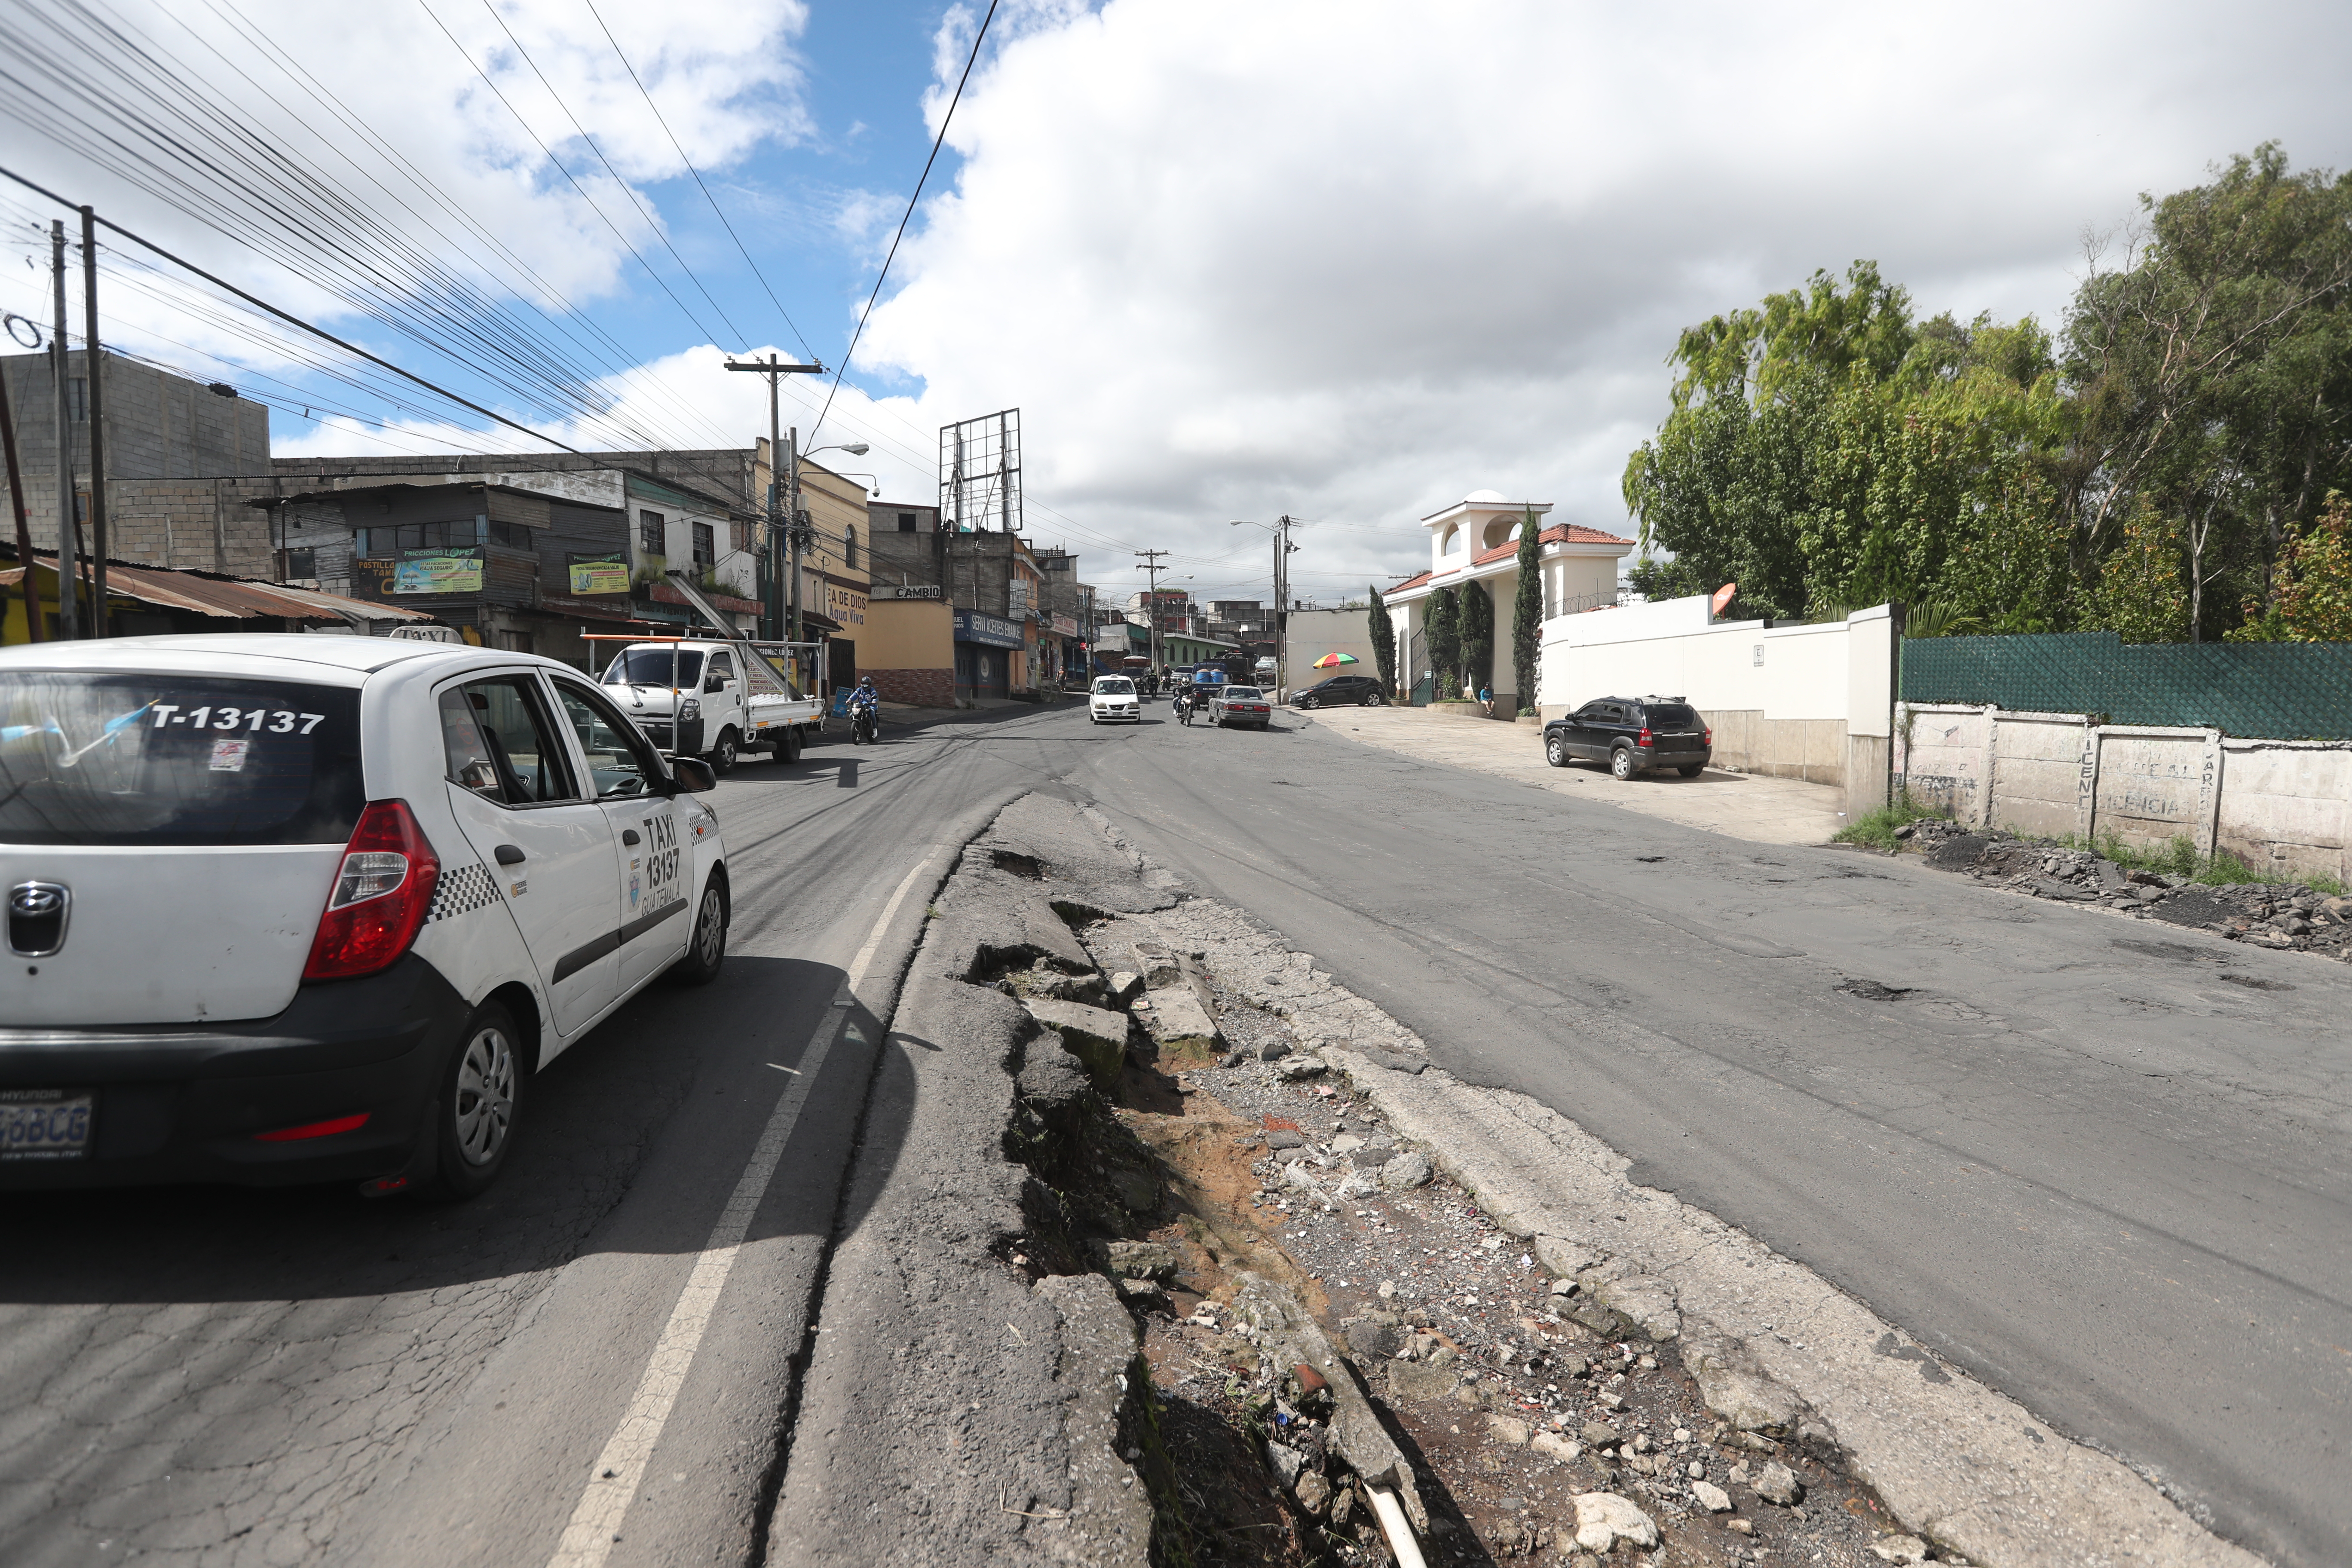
column 1095, row 1037
column 1138, row 1259
column 1735, row 1386
column 1356, row 1436
column 1174, row 1017
column 1642, row 1304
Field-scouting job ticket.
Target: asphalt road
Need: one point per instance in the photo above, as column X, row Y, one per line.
column 2074, row 1156
column 2101, row 1165
column 220, row 1376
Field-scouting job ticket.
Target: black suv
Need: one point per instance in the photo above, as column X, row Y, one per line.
column 1631, row 734
column 1342, row 691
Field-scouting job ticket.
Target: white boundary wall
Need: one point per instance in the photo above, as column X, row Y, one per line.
column 2283, row 806
column 1799, row 702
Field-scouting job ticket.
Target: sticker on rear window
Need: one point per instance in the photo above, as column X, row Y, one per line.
column 228, row 756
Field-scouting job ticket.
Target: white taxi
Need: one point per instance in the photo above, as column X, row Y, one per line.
column 1113, row 702
column 297, row 908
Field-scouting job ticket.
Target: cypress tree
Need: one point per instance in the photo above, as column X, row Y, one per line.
column 1477, row 614
column 1527, row 613
column 1445, row 642
column 1383, row 642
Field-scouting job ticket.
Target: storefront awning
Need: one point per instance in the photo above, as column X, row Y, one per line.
column 229, row 598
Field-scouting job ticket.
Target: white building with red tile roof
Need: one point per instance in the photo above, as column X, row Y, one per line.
column 1474, row 543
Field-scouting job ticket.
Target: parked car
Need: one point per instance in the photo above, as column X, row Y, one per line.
column 1631, row 734
column 1113, row 700
column 1245, row 707
column 1342, row 691
column 290, row 909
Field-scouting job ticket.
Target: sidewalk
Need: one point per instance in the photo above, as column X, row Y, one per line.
column 1738, row 805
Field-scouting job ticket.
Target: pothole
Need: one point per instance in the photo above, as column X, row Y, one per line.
column 1872, row 990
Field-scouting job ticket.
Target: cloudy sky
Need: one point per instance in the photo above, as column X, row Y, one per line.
column 1348, row 262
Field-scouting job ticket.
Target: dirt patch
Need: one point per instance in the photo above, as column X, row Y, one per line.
column 1499, row 1360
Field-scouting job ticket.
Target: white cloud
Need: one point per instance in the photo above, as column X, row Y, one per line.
column 380, row 103
column 1353, row 262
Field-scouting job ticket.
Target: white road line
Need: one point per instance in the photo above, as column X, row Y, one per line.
column 596, row 1523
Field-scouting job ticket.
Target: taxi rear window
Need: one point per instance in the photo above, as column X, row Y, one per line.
column 90, row 757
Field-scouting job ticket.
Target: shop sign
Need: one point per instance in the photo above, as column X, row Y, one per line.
column 1065, row 625
column 439, row 570
column 910, row 591
column 846, row 605
column 993, row 631
column 606, row 574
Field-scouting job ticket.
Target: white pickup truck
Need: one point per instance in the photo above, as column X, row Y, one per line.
column 713, row 698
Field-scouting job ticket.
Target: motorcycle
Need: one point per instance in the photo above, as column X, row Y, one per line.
column 865, row 726
column 1184, row 708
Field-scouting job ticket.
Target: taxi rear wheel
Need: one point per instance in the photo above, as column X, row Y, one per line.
column 475, row 1111
column 706, row 947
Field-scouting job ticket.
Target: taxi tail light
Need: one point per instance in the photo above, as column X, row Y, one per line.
column 381, row 893
column 1705, row 735
column 1644, row 738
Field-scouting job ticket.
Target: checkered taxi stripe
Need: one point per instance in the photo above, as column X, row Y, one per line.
column 461, row 891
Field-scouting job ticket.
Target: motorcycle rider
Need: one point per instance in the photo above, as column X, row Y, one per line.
column 865, row 707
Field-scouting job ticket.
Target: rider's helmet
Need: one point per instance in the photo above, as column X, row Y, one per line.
column 865, row 682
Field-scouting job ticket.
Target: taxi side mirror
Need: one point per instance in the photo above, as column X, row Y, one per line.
column 693, row 775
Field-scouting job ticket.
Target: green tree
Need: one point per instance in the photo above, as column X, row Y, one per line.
column 1383, row 634
column 1478, row 611
column 1825, row 449
column 1527, row 613
column 1655, row 577
column 2312, row 584
column 2141, row 593
column 1445, row 641
column 2212, row 371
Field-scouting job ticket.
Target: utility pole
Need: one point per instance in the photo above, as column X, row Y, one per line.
column 69, row 569
column 1282, row 551
column 773, row 369
column 1150, row 559
column 93, row 410
column 23, row 527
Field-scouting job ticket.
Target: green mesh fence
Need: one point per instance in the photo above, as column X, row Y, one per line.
column 2274, row 691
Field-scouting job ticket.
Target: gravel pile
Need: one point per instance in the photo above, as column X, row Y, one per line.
column 1531, row 1430
column 2285, row 916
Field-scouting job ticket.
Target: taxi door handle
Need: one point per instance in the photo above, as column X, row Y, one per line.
column 508, row 855
column 628, row 836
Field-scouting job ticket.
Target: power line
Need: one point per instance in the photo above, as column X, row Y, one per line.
column 945, row 120
column 265, row 196
column 291, row 318
column 549, row 153
column 690, row 169
column 631, row 191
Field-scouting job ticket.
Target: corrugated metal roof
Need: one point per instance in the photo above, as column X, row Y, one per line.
column 230, row 598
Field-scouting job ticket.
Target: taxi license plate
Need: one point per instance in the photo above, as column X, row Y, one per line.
column 46, row 1123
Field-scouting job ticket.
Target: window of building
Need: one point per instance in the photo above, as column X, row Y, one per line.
column 513, row 535
column 706, row 545
column 76, row 399
column 386, row 541
column 653, row 533
column 907, row 522
column 849, row 547
column 302, row 562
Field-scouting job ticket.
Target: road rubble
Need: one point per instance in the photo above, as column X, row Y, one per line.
column 2285, row 917
column 1165, row 1247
